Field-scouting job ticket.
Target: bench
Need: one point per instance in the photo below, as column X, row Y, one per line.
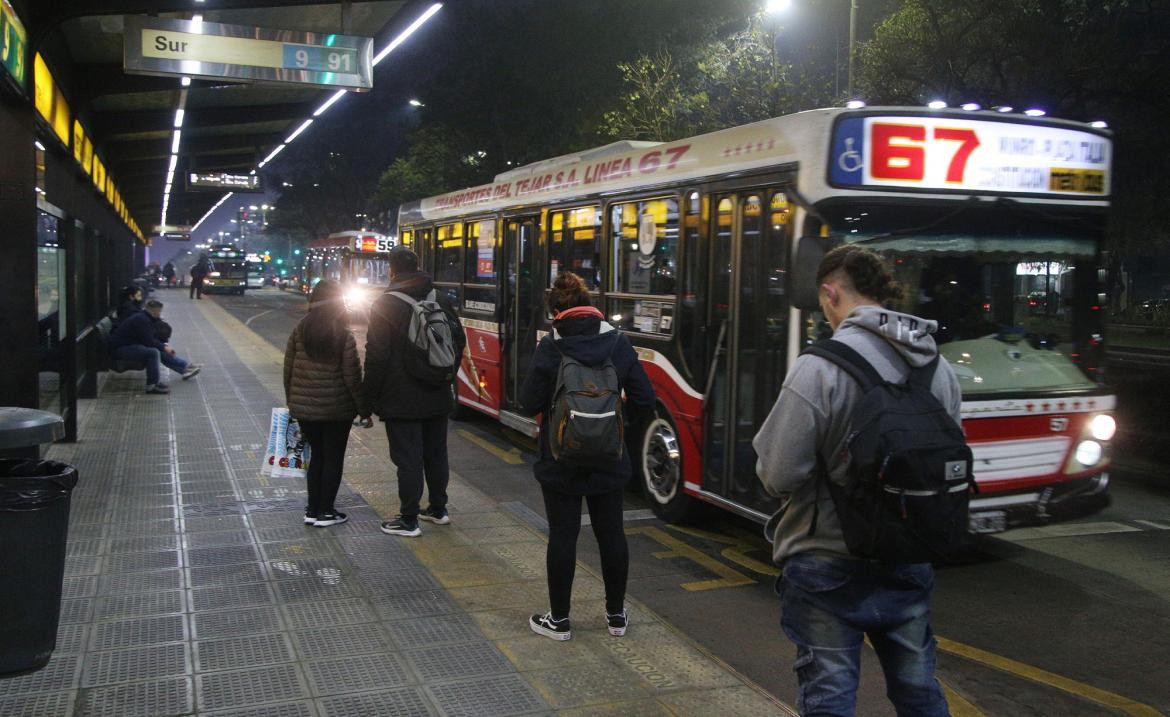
column 104, row 328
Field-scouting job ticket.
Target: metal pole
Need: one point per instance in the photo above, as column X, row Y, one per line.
column 852, row 41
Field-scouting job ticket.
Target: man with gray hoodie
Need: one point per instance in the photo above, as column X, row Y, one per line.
column 831, row 600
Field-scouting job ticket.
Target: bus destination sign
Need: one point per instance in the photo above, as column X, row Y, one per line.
column 223, row 180
column 213, row 50
column 953, row 154
column 372, row 243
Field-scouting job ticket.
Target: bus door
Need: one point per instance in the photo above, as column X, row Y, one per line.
column 521, row 301
column 748, row 314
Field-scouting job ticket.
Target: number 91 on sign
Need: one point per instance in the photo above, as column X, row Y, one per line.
column 320, row 59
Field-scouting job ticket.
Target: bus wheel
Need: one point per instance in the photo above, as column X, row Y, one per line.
column 661, row 468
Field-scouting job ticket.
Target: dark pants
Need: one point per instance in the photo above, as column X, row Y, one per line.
column 196, row 287
column 564, row 524
column 829, row 606
column 152, row 357
column 327, row 441
column 418, row 449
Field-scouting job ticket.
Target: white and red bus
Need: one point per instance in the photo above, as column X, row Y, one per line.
column 359, row 260
column 703, row 250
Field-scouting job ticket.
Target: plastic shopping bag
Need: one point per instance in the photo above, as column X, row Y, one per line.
column 288, row 454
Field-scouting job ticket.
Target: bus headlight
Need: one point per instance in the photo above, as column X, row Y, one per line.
column 1088, row 453
column 355, row 297
column 1103, row 427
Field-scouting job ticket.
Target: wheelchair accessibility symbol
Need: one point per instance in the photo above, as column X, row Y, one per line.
column 849, row 160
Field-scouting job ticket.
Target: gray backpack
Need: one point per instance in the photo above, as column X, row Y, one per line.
column 587, row 425
column 432, row 356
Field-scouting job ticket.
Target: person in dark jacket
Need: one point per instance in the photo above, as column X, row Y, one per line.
column 415, row 413
column 134, row 339
column 169, row 273
column 580, row 331
column 198, row 273
column 322, row 387
column 129, row 302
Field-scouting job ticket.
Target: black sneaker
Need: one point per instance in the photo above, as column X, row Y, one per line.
column 310, row 518
column 438, row 517
column 616, row 623
column 327, row 519
column 401, row 526
column 192, row 371
column 158, row 388
column 547, row 626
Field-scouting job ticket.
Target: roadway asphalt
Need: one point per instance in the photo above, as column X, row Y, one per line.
column 1065, row 619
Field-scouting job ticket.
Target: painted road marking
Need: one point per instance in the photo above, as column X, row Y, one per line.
column 678, row 549
column 1044, row 677
column 1155, row 524
column 511, row 456
column 1067, row 530
column 253, row 318
column 737, row 553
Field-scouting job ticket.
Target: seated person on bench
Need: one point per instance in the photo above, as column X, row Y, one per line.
column 134, row 339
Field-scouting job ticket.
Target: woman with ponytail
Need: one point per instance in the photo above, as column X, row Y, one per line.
column 322, row 385
column 580, row 331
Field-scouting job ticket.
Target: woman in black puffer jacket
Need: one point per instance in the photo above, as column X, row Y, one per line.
column 580, row 331
column 322, row 386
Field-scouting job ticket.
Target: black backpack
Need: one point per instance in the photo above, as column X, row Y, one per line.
column 433, row 343
column 587, row 426
column 909, row 475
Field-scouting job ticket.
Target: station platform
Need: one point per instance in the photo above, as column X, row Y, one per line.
column 193, row 587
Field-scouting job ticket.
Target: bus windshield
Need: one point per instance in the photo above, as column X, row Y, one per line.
column 1015, row 308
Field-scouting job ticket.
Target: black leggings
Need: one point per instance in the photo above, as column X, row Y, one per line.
column 564, row 523
column 327, row 441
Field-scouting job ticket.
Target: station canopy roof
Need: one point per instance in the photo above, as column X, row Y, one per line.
column 228, row 126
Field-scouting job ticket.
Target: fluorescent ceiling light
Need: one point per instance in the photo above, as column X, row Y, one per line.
column 297, row 133
column 1099, row 124
column 38, row 145
column 329, row 103
column 185, row 82
column 273, row 153
column 407, row 32
column 179, row 114
column 175, row 142
column 174, row 163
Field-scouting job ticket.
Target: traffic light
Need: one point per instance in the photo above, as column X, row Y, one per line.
column 280, row 261
column 297, row 252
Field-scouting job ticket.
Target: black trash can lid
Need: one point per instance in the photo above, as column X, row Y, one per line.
column 23, row 427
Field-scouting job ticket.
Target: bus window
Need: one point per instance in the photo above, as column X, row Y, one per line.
column 645, row 247
column 690, row 314
column 481, row 252
column 407, row 240
column 448, row 248
column 582, row 228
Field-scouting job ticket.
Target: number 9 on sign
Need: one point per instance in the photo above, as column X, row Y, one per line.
column 302, row 58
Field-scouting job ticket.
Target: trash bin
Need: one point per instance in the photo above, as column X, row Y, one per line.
column 34, row 523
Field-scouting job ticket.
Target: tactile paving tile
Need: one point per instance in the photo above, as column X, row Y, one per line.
column 146, row 527
column 211, row 510
column 234, row 653
column 435, row 630
column 118, row 666
column 140, row 604
column 43, row 705
column 207, row 497
column 332, row 612
column 330, row 569
column 220, row 522
column 74, row 548
column 86, row 531
column 138, row 562
column 504, row 695
column 402, row 581
column 358, row 672
column 218, row 538
column 135, row 633
column 295, row 550
column 736, row 700
column 314, row 587
column 221, row 597
column 225, row 555
column 143, row 544
column 239, row 688
column 260, row 521
column 83, row 565
column 70, row 639
column 412, row 605
column 63, row 672
column 283, row 533
column 284, row 709
column 171, row 579
column 460, row 661
column 340, row 640
column 226, row 574
column 402, row 702
column 588, row 683
column 210, row 625
column 75, row 610
column 79, row 586
column 171, row 696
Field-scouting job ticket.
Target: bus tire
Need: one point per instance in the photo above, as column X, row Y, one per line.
column 659, row 463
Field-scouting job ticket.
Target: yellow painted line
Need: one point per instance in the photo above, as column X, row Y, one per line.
column 737, row 553
column 958, row 704
column 511, row 456
column 1044, row 677
column 728, row 578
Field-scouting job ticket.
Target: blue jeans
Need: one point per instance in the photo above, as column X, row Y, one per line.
column 152, row 357
column 830, row 604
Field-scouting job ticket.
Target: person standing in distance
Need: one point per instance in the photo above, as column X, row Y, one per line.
column 323, row 391
column 415, row 412
column 580, row 331
column 198, row 273
column 831, row 600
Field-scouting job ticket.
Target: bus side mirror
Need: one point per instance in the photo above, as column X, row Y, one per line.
column 802, row 279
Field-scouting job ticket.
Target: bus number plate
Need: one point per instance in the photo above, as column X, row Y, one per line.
column 992, row 521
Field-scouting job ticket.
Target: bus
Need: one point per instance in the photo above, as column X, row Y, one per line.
column 255, row 269
column 357, row 259
column 229, row 270
column 704, row 250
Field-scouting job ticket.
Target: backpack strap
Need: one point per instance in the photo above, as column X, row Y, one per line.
column 923, row 376
column 405, row 297
column 848, row 360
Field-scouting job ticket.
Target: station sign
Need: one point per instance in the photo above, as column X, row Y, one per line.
column 951, row 154
column 223, row 180
column 170, row 228
column 13, row 44
column 175, row 236
column 212, row 50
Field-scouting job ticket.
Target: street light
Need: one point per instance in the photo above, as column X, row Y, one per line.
column 416, row 103
column 779, row 6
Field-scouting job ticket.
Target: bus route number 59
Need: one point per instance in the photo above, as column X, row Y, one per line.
column 901, row 152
